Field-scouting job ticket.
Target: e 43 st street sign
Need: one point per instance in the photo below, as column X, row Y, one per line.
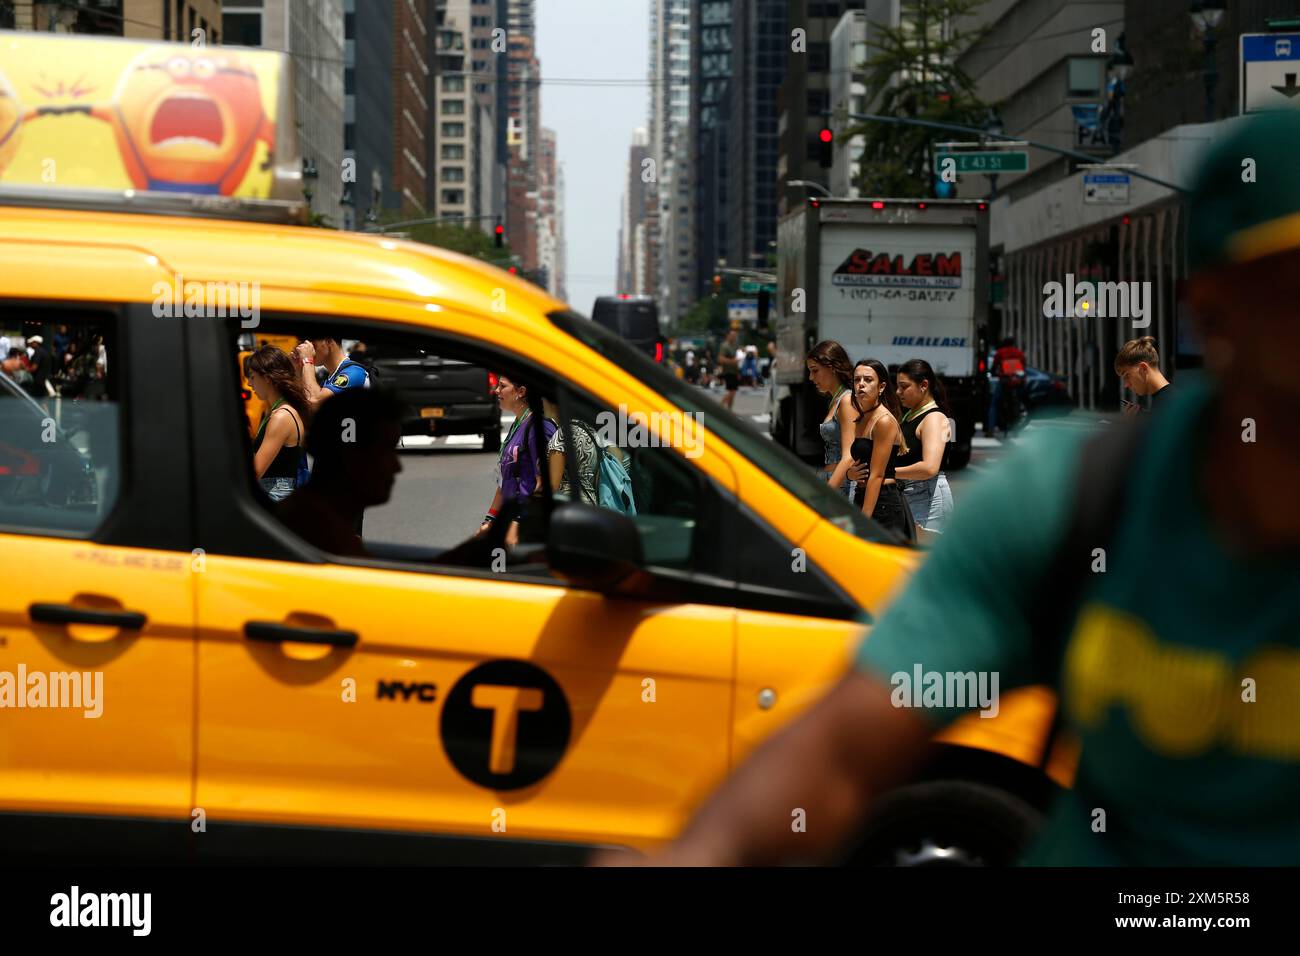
column 984, row 162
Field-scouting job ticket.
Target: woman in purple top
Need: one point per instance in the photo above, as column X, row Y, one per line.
column 517, row 468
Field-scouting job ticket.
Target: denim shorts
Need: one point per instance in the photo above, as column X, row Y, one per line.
column 930, row 501
column 847, row 489
column 277, row 489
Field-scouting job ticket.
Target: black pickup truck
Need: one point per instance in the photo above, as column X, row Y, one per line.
column 440, row 396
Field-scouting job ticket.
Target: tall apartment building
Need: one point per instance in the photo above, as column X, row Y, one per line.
column 136, row 19
column 710, row 39
column 368, row 128
column 550, row 223
column 850, row 53
column 523, row 115
column 312, row 33
column 637, row 199
column 805, row 94
column 669, row 128
column 760, row 47
column 469, row 183
column 415, row 54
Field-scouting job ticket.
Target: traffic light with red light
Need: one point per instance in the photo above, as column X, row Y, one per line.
column 825, row 148
column 500, row 235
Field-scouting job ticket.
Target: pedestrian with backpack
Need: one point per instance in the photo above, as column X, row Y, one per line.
column 585, row 453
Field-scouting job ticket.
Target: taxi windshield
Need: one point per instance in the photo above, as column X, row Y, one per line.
column 782, row 465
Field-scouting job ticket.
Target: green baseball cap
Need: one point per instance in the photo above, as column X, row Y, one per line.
column 1234, row 220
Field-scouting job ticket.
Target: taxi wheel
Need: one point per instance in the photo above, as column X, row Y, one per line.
column 492, row 440
column 947, row 823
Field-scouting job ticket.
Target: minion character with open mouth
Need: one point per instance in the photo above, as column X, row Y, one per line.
column 185, row 120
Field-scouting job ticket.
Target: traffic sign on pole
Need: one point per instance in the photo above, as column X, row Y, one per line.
column 1106, row 187
column 750, row 285
column 984, row 162
column 1270, row 71
column 743, row 310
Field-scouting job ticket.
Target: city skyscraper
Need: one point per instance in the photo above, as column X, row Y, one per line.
column 637, row 199
column 760, row 48
column 710, row 40
column 669, row 129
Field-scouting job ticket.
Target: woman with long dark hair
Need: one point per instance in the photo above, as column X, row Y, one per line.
column 279, row 445
column 522, row 457
column 877, row 443
column 926, row 433
column 830, row 373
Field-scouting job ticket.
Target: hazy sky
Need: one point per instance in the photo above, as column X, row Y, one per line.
column 597, row 40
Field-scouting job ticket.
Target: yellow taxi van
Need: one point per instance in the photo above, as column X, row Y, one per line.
column 183, row 677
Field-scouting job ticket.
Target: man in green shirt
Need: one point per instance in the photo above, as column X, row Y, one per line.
column 1180, row 672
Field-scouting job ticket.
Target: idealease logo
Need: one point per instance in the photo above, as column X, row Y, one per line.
column 926, row 270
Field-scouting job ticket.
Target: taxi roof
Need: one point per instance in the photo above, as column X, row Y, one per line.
column 299, row 258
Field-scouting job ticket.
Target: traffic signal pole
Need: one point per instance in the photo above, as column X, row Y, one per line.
column 428, row 222
column 952, row 127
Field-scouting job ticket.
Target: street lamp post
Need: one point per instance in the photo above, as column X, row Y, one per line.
column 1206, row 16
column 810, row 184
column 993, row 126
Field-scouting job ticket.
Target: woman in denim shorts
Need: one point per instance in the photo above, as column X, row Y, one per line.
column 926, row 431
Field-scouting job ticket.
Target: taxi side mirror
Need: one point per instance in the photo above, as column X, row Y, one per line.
column 593, row 548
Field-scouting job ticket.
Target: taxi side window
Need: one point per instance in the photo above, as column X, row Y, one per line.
column 686, row 523
column 625, row 467
column 60, row 414
column 405, row 459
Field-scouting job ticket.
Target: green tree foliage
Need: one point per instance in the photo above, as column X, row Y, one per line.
column 914, row 70
column 465, row 239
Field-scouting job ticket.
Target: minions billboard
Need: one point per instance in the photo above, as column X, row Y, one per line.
column 106, row 113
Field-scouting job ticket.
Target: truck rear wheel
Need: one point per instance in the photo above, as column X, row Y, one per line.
column 947, row 823
column 492, row 440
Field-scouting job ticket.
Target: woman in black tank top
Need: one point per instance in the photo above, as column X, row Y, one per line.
column 278, row 446
column 876, row 447
column 926, row 432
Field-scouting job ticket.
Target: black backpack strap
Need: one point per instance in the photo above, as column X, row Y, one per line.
column 1099, row 491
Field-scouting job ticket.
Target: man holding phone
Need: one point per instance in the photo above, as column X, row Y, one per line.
column 1138, row 367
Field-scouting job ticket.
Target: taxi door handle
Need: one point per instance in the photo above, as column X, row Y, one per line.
column 275, row 631
column 67, row 614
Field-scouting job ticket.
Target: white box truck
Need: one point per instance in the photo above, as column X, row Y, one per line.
column 889, row 279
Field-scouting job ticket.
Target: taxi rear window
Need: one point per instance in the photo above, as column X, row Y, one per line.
column 795, row 476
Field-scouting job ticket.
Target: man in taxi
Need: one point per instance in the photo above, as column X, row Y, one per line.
column 1180, row 677
column 353, row 442
column 323, row 348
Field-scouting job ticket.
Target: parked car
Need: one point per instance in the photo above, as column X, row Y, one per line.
column 439, row 395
